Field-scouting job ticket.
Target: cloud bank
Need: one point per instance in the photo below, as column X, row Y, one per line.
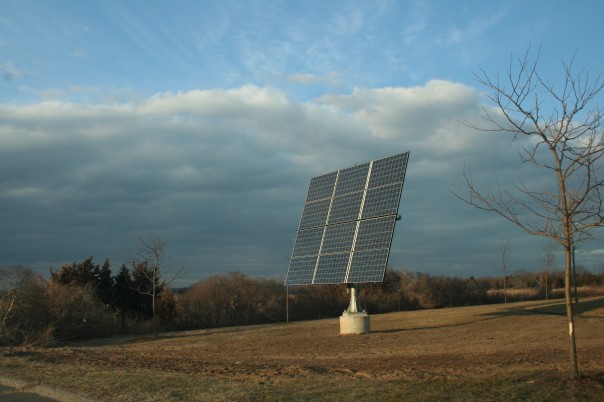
column 222, row 174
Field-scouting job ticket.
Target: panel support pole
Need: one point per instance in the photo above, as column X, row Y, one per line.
column 354, row 320
column 354, row 306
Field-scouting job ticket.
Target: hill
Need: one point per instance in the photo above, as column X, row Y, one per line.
column 516, row 351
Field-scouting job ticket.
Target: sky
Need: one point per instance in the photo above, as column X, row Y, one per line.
column 202, row 122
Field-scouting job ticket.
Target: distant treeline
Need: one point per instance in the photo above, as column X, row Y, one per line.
column 84, row 299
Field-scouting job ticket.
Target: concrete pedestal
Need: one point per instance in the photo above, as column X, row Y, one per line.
column 354, row 323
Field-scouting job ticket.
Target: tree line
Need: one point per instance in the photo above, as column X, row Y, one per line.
column 80, row 300
column 85, row 299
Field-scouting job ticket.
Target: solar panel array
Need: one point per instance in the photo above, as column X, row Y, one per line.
column 347, row 224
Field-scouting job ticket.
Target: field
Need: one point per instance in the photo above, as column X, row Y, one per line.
column 507, row 352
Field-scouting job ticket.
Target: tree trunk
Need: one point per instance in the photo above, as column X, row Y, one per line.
column 546, row 284
column 153, row 287
column 505, row 296
column 574, row 370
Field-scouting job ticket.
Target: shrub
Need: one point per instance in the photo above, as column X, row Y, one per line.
column 233, row 299
column 25, row 319
column 77, row 312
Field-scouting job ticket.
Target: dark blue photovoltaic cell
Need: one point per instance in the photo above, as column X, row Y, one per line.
column 338, row 238
column 375, row 233
column 382, row 201
column 345, row 208
column 315, row 214
column 352, row 179
column 332, row 268
column 347, row 224
column 301, row 270
column 321, row 187
column 308, row 242
column 368, row 266
column 388, row 170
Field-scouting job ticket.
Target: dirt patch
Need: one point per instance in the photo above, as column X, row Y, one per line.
column 11, row 389
column 450, row 345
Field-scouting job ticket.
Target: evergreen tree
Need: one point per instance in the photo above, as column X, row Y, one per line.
column 125, row 295
column 82, row 274
column 106, row 285
column 144, row 288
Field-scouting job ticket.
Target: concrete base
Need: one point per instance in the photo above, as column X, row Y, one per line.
column 354, row 323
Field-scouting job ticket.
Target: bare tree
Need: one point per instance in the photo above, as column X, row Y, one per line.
column 562, row 126
column 24, row 311
column 148, row 264
column 548, row 256
column 8, row 296
column 504, row 264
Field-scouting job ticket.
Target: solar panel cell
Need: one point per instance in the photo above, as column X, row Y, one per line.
column 332, row 268
column 346, row 208
column 368, row 266
column 308, row 242
column 315, row 214
column 301, row 270
column 352, row 179
column 382, row 201
column 388, row 170
column 375, row 233
column 321, row 187
column 338, row 238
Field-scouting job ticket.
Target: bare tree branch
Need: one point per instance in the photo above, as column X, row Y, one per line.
column 148, row 261
column 567, row 142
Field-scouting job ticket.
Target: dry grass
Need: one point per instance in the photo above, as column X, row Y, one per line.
column 516, row 351
column 534, row 293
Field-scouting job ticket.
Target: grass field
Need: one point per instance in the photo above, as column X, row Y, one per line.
column 513, row 352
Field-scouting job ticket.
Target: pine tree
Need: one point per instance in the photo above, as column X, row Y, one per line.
column 125, row 295
column 106, row 285
column 81, row 274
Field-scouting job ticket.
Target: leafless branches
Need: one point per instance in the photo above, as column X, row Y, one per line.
column 504, row 266
column 567, row 141
column 8, row 296
column 560, row 124
column 548, row 256
column 148, row 262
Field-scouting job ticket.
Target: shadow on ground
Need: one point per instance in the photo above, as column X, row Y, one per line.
column 554, row 308
column 13, row 394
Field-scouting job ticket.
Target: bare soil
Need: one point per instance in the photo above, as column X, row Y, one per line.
column 516, row 351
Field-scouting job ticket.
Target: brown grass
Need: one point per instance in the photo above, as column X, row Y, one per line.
column 516, row 351
column 535, row 293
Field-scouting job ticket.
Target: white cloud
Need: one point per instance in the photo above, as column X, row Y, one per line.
column 82, row 89
column 11, row 72
column 307, row 78
column 426, row 117
column 23, row 192
column 73, row 92
column 51, row 93
column 243, row 100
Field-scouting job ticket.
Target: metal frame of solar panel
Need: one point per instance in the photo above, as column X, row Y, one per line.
column 347, row 224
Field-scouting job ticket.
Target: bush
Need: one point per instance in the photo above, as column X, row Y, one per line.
column 234, row 299
column 24, row 313
column 315, row 302
column 77, row 312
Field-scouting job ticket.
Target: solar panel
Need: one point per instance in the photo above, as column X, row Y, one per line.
column 347, row 223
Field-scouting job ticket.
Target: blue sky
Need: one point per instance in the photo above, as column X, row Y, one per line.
column 203, row 122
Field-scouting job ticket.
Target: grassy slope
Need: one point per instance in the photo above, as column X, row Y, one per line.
column 502, row 352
